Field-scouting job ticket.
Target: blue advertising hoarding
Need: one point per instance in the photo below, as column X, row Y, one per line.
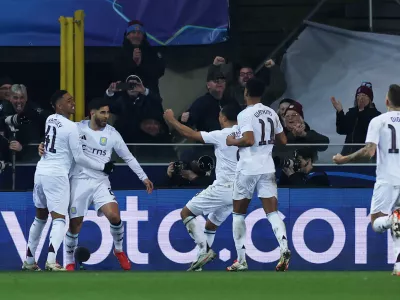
column 167, row 22
column 328, row 229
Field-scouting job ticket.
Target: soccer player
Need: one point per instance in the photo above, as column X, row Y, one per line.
column 259, row 127
column 92, row 187
column 216, row 200
column 383, row 138
column 51, row 191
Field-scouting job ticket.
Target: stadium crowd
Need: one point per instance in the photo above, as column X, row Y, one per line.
column 136, row 104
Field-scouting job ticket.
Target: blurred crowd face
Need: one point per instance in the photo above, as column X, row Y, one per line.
column 133, row 93
column 292, row 119
column 216, row 87
column 282, row 108
column 305, row 164
column 363, row 101
column 18, row 101
column 135, row 37
column 244, row 75
column 5, row 92
column 151, row 127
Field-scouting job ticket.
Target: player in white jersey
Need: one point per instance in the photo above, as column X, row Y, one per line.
column 259, row 127
column 90, row 187
column 216, row 200
column 383, row 138
column 51, row 187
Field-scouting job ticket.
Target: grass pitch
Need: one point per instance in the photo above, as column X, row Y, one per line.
column 292, row 285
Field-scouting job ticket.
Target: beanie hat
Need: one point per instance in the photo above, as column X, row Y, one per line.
column 6, row 80
column 366, row 88
column 297, row 107
column 135, row 25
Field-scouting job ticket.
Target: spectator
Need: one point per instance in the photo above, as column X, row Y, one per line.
column 139, row 58
column 354, row 124
column 139, row 111
column 17, row 115
column 283, row 105
column 298, row 130
column 302, row 175
column 5, row 86
column 204, row 111
column 270, row 74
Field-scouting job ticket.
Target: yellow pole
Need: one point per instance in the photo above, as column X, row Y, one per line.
column 79, row 65
column 70, row 56
column 63, row 61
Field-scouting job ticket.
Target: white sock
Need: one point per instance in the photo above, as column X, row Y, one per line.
column 196, row 232
column 56, row 238
column 71, row 242
column 382, row 224
column 34, row 237
column 210, row 236
column 117, row 232
column 239, row 236
column 279, row 229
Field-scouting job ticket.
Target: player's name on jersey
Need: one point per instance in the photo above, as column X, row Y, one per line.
column 55, row 122
column 262, row 112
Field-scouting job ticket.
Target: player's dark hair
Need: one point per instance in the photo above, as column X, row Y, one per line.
column 255, row 87
column 231, row 111
column 394, row 94
column 98, row 103
column 57, row 96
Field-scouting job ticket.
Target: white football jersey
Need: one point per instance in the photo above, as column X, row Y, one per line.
column 226, row 156
column 98, row 145
column 265, row 124
column 384, row 131
column 62, row 147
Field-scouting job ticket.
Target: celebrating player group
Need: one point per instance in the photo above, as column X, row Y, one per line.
column 73, row 174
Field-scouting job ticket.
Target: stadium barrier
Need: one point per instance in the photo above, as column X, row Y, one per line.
column 328, row 229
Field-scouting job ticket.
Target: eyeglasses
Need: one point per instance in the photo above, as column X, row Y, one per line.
column 291, row 115
column 243, row 74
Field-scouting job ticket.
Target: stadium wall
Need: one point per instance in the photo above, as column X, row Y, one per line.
column 328, row 229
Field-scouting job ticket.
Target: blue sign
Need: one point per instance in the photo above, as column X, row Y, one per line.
column 328, row 229
column 178, row 22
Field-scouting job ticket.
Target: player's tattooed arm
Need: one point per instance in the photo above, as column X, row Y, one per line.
column 368, row 151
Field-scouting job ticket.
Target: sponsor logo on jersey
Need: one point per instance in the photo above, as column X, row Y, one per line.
column 103, row 141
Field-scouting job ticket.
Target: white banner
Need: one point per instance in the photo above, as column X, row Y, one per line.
column 327, row 61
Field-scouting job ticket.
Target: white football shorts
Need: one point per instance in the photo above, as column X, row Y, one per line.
column 88, row 191
column 215, row 201
column 52, row 192
column 245, row 186
column 385, row 198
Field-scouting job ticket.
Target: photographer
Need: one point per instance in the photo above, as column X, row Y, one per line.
column 297, row 171
column 21, row 123
column 139, row 111
column 192, row 170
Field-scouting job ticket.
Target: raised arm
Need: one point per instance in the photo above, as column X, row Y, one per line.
column 182, row 129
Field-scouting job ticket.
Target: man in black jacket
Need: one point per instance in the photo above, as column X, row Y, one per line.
column 139, row 111
column 139, row 58
column 28, row 121
column 204, row 112
column 354, row 124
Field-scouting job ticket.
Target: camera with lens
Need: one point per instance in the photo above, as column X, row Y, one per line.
column 204, row 165
column 293, row 162
column 16, row 120
column 178, row 167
